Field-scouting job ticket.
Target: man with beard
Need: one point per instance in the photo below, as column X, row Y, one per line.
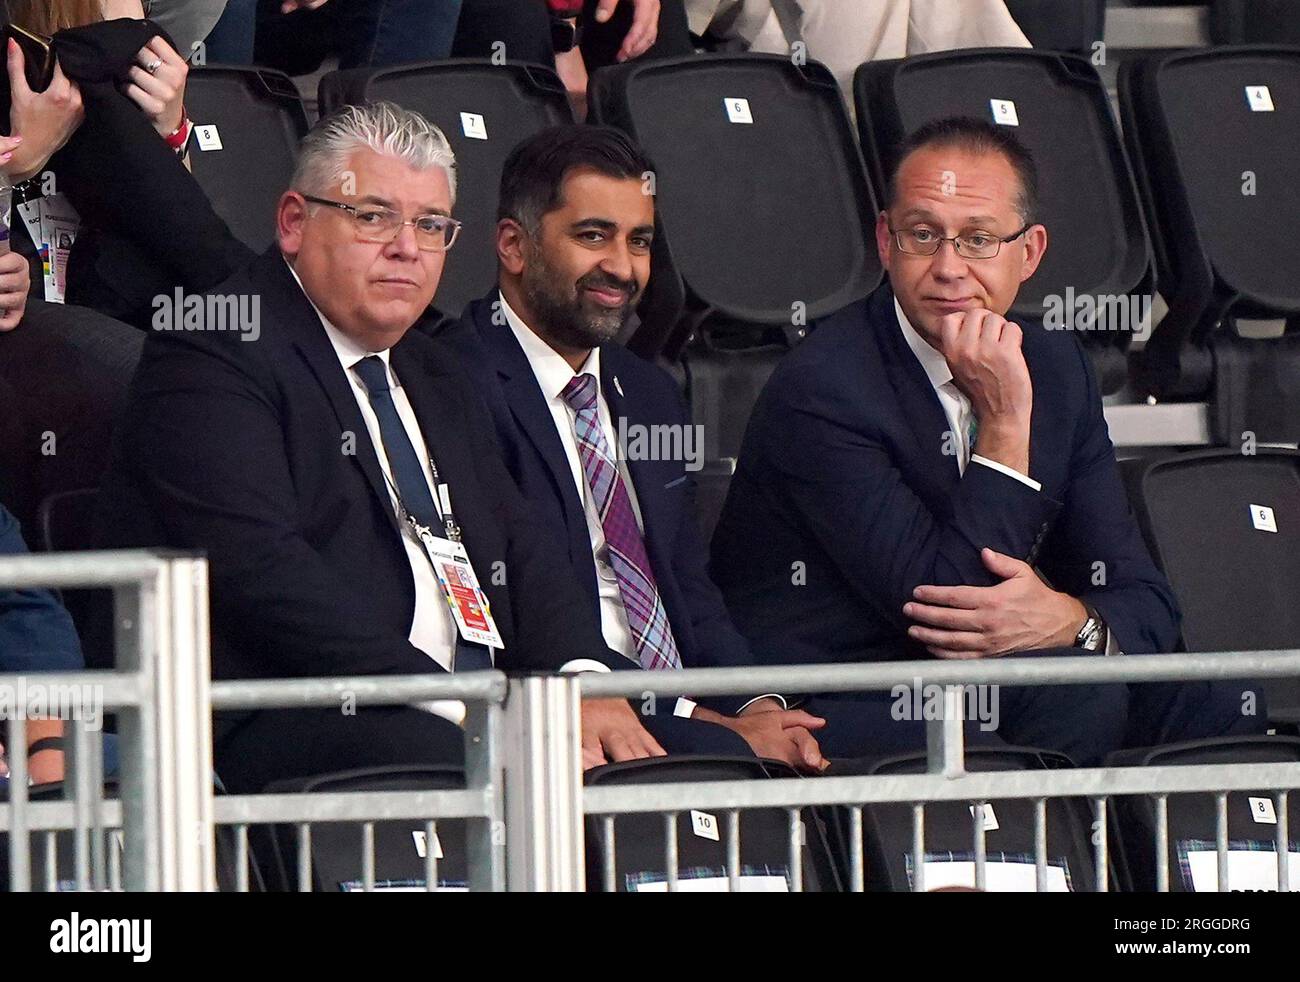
column 583, row 423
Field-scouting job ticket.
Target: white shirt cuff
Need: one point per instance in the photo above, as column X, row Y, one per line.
column 452, row 710
column 583, row 665
column 1004, row 469
column 685, row 707
column 770, row 695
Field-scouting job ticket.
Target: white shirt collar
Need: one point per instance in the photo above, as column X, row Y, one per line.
column 935, row 365
column 552, row 371
column 348, row 351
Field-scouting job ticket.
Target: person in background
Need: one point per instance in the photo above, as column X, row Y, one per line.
column 574, row 36
column 842, row 34
column 108, row 160
column 36, row 635
column 296, row 36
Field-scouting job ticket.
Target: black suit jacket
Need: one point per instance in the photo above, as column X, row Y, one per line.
column 239, row 448
column 844, row 500
column 644, row 396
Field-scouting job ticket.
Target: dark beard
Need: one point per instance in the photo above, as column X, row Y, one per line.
column 568, row 318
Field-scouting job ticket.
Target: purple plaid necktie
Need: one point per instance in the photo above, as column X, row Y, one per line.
column 645, row 611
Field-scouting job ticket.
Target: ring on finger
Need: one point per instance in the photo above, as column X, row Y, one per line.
column 153, row 66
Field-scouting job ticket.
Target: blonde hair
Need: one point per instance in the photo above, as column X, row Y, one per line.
column 48, row 17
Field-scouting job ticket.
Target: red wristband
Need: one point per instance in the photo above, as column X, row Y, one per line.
column 565, row 8
column 181, row 135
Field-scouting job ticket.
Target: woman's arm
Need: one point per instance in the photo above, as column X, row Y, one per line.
column 44, row 120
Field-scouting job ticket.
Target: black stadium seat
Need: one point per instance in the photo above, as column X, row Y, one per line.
column 400, row 844
column 1057, row 105
column 1252, row 820
column 484, row 110
column 639, row 838
column 765, row 209
column 247, row 124
column 1223, row 204
column 765, row 218
column 1225, row 528
column 949, row 830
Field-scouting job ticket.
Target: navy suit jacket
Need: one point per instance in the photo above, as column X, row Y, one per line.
column 645, row 396
column 844, row 500
column 257, row 453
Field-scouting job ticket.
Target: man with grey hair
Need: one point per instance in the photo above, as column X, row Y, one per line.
column 341, row 474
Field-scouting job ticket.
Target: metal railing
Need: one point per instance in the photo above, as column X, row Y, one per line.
column 946, row 779
column 159, row 693
column 481, row 803
column 524, row 803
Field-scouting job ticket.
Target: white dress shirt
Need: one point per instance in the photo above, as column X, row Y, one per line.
column 432, row 630
column 553, row 373
column 955, row 404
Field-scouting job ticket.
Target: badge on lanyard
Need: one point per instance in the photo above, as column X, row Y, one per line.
column 469, row 605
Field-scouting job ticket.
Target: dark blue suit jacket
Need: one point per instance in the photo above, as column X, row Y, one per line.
column 36, row 633
column 664, row 489
column 844, row 500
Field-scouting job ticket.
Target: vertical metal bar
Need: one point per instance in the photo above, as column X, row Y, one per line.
column 187, row 837
column 430, row 855
column 796, row 850
column 1040, row 845
column 368, row 856
column 304, row 857
column 115, row 860
column 670, row 849
column 610, row 858
column 1221, row 840
column 1101, row 845
column 1283, row 843
column 944, row 738
column 20, row 854
column 95, row 765
column 486, row 842
column 918, row 848
column 977, row 822
column 52, row 861
column 857, row 874
column 241, row 858
column 135, row 610
column 733, row 851
column 1162, row 844
column 81, row 776
column 543, row 773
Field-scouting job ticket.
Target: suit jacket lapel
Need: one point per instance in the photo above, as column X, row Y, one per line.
column 916, row 396
column 647, row 475
column 313, row 344
column 528, row 406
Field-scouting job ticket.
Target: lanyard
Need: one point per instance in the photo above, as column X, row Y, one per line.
column 442, row 501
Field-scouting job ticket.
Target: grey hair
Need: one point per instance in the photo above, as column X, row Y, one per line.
column 384, row 127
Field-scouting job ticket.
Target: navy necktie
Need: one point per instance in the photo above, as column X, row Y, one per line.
column 408, row 475
column 403, row 461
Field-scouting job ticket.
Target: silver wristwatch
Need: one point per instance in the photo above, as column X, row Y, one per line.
column 1092, row 636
